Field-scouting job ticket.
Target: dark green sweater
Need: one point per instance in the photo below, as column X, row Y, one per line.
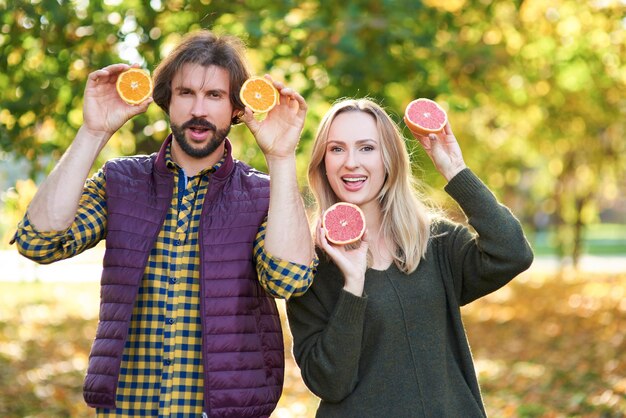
column 401, row 349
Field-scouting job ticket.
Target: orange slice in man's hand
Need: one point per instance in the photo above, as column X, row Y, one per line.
column 134, row 85
column 259, row 94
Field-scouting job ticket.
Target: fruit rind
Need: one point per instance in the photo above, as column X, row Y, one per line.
column 127, row 99
column 422, row 130
column 345, row 242
column 266, row 81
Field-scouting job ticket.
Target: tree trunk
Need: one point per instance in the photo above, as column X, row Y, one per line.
column 579, row 227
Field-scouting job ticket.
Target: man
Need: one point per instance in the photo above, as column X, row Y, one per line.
column 197, row 242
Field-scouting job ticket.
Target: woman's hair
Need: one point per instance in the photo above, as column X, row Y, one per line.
column 406, row 219
column 203, row 48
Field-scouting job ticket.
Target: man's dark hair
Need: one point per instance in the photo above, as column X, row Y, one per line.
column 203, row 48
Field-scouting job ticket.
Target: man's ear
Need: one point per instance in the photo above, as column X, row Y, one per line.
column 236, row 117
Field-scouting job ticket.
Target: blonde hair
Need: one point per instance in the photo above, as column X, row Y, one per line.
column 406, row 218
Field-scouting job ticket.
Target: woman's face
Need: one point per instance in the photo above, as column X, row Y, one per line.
column 353, row 158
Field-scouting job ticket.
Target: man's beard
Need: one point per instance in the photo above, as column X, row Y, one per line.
column 218, row 137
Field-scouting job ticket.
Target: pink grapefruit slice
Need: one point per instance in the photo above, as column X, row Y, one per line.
column 344, row 223
column 424, row 116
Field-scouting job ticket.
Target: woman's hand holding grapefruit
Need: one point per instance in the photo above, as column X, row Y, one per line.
column 445, row 152
column 351, row 262
column 429, row 124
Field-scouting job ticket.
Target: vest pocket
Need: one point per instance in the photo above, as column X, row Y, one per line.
column 262, row 335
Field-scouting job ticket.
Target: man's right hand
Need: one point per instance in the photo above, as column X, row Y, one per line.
column 104, row 112
column 56, row 202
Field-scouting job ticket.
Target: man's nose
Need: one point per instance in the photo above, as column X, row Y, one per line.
column 199, row 108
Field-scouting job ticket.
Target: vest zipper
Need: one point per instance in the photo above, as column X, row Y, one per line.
column 205, row 362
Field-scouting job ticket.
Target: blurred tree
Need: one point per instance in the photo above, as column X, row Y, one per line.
column 545, row 84
column 539, row 84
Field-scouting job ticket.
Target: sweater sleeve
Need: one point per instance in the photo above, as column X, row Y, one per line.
column 327, row 328
column 485, row 260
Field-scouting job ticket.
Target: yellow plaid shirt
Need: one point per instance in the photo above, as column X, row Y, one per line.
column 166, row 318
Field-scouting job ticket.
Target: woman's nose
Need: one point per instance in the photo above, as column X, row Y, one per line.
column 352, row 160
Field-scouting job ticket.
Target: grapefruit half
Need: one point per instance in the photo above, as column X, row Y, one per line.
column 344, row 223
column 424, row 116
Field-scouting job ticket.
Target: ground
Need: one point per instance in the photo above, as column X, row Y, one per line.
column 547, row 345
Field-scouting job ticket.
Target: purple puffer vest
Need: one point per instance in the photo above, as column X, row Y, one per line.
column 242, row 341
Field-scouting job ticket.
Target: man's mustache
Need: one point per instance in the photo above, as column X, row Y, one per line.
column 199, row 123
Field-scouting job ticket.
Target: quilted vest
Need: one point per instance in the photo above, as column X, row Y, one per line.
column 242, row 341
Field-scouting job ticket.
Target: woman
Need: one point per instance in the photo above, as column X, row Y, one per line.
column 379, row 333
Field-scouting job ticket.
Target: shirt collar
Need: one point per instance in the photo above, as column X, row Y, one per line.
column 171, row 164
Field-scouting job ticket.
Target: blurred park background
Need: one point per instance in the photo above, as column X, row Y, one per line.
column 535, row 91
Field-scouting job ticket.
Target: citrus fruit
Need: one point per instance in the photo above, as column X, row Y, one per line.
column 423, row 117
column 259, row 94
column 344, row 223
column 134, row 85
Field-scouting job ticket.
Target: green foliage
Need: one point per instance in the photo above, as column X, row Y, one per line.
column 537, row 85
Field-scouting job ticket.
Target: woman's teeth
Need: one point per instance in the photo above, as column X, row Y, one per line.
column 353, row 179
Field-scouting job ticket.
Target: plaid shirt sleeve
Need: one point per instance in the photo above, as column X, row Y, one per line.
column 280, row 278
column 88, row 228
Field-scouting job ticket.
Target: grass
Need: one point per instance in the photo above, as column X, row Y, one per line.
column 601, row 239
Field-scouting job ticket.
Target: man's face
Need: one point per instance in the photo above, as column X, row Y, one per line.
column 200, row 109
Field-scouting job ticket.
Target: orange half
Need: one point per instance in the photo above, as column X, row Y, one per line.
column 134, row 85
column 259, row 94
